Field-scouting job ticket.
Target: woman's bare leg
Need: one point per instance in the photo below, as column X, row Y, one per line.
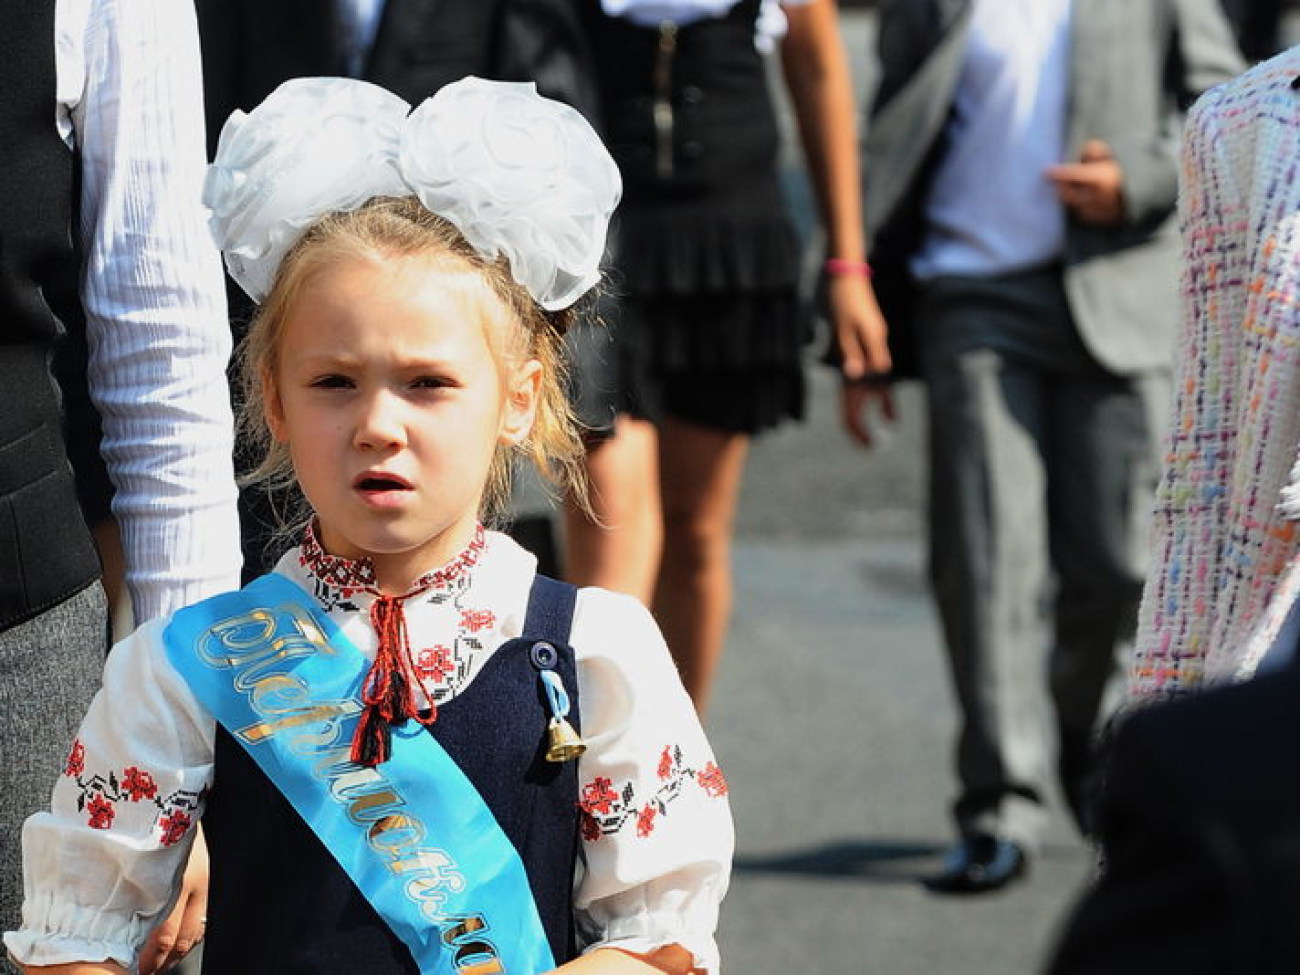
column 700, row 475
column 620, row 550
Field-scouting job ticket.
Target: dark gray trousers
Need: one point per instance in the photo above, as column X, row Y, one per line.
column 50, row 667
column 1042, row 472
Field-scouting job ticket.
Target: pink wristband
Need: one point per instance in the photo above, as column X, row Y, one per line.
column 838, row 267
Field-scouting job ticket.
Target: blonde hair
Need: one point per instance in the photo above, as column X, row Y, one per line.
column 402, row 227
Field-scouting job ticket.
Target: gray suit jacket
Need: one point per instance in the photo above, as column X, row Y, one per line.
column 1136, row 66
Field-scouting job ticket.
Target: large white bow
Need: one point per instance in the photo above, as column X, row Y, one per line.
column 518, row 174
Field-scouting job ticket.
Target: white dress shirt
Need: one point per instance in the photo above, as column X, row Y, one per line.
column 360, row 19
column 130, row 100
column 657, row 839
column 771, row 26
column 991, row 209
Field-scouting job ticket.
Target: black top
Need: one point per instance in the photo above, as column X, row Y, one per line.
column 38, row 274
column 279, row 903
column 689, row 119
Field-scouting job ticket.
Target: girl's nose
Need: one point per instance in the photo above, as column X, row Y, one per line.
column 379, row 423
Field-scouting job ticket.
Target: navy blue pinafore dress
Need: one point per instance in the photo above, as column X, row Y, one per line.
column 279, row 903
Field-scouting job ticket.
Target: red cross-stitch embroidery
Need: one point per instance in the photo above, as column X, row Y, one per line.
column 604, row 810
column 102, row 792
column 645, row 822
column 666, row 763
column 138, row 785
column 598, row 797
column 348, row 576
column 477, row 619
column 435, row 664
column 711, row 780
column 76, row 760
column 173, row 828
column 100, row 812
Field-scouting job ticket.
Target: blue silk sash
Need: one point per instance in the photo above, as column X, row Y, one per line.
column 413, row 833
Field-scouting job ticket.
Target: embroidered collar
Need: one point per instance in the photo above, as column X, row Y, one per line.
column 350, row 576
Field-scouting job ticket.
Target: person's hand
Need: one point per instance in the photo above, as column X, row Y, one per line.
column 185, row 926
column 860, row 330
column 859, row 399
column 668, row 960
column 1093, row 188
column 862, row 337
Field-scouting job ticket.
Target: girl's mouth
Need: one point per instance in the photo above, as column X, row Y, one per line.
column 380, row 483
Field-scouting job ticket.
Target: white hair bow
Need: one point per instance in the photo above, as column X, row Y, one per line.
column 518, row 174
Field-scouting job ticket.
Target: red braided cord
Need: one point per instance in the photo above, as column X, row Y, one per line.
column 390, row 687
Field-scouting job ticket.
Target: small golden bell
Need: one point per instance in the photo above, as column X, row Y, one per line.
column 562, row 742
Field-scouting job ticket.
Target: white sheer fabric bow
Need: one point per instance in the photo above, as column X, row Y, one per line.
column 518, row 174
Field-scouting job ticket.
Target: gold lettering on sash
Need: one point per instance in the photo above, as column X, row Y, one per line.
column 461, row 927
column 429, row 862
column 254, row 645
column 372, row 801
column 435, row 881
column 489, row 965
column 477, row 957
column 278, row 693
column 238, row 634
column 395, row 834
column 262, row 730
column 252, row 672
column 254, row 641
column 330, row 760
column 361, row 810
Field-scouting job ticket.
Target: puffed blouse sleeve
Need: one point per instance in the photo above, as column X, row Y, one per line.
column 103, row 865
column 656, row 825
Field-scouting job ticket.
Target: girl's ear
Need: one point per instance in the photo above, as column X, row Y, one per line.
column 272, row 408
column 521, row 403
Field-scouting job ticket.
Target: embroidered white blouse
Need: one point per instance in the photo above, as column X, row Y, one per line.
column 102, row 866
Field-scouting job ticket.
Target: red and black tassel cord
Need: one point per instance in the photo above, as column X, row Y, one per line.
column 392, row 691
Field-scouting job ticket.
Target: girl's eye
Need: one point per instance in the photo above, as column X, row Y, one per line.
column 431, row 382
column 331, row 382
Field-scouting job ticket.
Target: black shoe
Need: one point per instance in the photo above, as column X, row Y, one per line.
column 978, row 864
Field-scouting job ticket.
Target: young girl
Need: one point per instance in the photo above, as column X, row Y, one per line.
column 382, row 736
